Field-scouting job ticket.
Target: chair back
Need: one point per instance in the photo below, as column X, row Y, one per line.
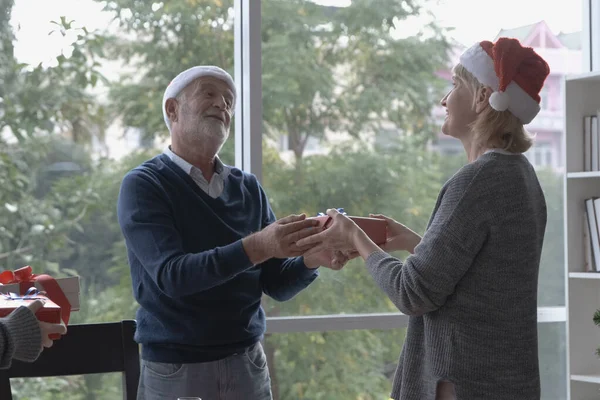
column 85, row 349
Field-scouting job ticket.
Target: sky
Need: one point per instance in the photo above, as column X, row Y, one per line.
column 473, row 20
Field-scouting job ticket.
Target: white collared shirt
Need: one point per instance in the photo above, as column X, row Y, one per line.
column 214, row 188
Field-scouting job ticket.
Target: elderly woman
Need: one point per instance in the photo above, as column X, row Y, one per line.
column 470, row 284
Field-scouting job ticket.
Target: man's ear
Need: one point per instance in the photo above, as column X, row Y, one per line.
column 172, row 109
column 482, row 98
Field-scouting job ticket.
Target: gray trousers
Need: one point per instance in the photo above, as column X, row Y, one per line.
column 242, row 376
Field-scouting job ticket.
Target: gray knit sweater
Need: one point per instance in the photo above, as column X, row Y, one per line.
column 20, row 337
column 470, row 288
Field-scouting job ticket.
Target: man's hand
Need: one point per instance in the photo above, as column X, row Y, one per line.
column 335, row 260
column 278, row 240
column 341, row 235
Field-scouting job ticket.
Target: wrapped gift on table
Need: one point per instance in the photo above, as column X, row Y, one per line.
column 51, row 312
column 62, row 291
column 376, row 229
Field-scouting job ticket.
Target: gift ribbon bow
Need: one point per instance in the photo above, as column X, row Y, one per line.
column 328, row 220
column 340, row 210
column 31, row 294
column 27, row 279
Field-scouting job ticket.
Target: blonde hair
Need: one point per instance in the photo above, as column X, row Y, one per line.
column 495, row 129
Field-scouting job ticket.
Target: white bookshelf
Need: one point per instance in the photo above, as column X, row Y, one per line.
column 588, row 174
column 584, row 275
column 582, row 97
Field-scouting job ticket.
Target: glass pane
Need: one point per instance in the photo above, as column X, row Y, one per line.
column 73, row 125
column 361, row 364
column 553, row 360
column 77, row 387
column 352, row 119
column 333, row 365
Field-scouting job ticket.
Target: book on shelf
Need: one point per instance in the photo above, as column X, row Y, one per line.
column 588, row 258
column 591, row 142
column 591, row 235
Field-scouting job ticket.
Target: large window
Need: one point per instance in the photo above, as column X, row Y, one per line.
column 80, row 107
column 351, row 119
column 351, row 105
column 71, row 128
column 338, row 107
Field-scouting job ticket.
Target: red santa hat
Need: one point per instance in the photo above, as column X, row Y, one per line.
column 186, row 77
column 515, row 73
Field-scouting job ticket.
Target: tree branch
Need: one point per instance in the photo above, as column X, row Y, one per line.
column 16, row 251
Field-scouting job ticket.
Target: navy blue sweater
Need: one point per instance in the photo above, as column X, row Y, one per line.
column 199, row 294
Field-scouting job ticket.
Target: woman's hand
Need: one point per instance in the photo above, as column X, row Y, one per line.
column 340, row 235
column 399, row 237
column 46, row 328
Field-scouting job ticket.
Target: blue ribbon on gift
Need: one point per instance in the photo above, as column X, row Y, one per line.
column 31, row 294
column 340, row 210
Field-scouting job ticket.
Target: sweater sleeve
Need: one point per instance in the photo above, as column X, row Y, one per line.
column 20, row 337
column 150, row 233
column 455, row 236
column 282, row 278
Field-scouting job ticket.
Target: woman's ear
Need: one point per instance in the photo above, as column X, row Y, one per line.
column 482, row 98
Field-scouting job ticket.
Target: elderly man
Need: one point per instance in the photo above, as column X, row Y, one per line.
column 203, row 246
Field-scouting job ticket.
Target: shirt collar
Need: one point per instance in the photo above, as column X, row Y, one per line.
column 187, row 167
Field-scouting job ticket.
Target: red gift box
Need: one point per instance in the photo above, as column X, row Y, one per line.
column 376, row 229
column 51, row 312
column 27, row 280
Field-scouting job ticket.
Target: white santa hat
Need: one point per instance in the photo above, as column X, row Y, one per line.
column 188, row 76
column 515, row 73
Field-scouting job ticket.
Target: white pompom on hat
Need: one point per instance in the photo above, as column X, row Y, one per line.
column 188, row 76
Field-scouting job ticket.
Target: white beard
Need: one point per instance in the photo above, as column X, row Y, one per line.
column 213, row 128
column 207, row 132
